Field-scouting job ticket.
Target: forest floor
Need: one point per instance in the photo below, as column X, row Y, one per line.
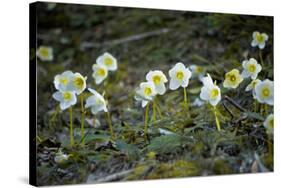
column 183, row 141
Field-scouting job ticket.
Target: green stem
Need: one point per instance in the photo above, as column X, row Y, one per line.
column 217, row 119
column 265, row 109
column 71, row 127
column 146, row 121
column 82, row 119
column 185, row 96
column 158, row 111
column 255, row 105
column 154, row 113
column 261, row 59
column 110, row 125
column 54, row 117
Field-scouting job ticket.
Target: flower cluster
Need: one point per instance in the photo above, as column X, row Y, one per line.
column 155, row 83
column 210, row 92
column 104, row 63
column 69, row 85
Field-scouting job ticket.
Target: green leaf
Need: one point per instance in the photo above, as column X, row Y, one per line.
column 165, row 144
column 131, row 151
column 97, row 138
column 255, row 116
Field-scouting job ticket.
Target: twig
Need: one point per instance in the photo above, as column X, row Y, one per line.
column 235, row 103
column 115, row 176
column 227, row 109
column 243, row 117
column 86, row 45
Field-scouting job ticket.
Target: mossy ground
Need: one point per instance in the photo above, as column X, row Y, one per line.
column 218, row 42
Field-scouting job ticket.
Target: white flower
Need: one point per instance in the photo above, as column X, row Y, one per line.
column 145, row 93
column 259, row 39
column 66, row 98
column 264, row 91
column 62, row 81
column 251, row 68
column 197, row 102
column 45, row 53
column 179, row 75
column 269, row 124
column 96, row 102
column 252, row 86
column 77, row 83
column 210, row 92
column 107, row 60
column 232, row 79
column 61, row 157
column 159, row 79
column 100, row 73
column 197, row 71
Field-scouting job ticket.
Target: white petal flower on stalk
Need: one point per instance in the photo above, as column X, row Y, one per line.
column 251, row 68
column 107, row 60
column 145, row 93
column 251, row 87
column 159, row 79
column 197, row 71
column 45, row 53
column 66, row 98
column 62, row 81
column 77, row 83
column 259, row 39
column 180, row 76
column 96, row 102
column 269, row 124
column 100, row 73
column 232, row 79
column 210, row 92
column 264, row 91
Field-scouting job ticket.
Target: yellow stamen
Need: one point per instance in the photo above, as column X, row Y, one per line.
column 179, row 75
column 67, row 96
column 252, row 68
column 156, row 79
column 214, row 93
column 147, row 91
column 259, row 37
column 233, row 78
column 78, row 82
column 199, row 69
column 265, row 92
column 63, row 81
column 101, row 72
column 44, row 52
column 108, row 61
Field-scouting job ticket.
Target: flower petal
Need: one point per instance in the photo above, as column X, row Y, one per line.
column 174, row 84
column 58, row 96
column 144, row 103
column 90, row 101
column 160, row 88
column 262, row 45
column 204, row 94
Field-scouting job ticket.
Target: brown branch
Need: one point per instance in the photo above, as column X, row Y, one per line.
column 132, row 38
column 113, row 177
column 238, row 106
